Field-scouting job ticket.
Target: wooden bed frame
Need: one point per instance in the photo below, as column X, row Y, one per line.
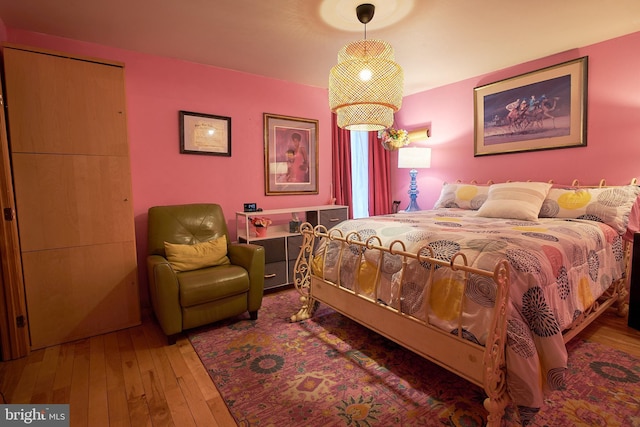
column 484, row 366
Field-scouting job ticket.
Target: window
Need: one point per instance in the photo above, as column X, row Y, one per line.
column 360, row 173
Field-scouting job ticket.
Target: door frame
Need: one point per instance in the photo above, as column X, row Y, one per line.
column 14, row 327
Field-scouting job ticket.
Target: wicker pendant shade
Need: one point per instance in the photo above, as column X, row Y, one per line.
column 365, row 87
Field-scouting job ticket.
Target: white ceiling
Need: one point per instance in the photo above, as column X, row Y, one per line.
column 436, row 41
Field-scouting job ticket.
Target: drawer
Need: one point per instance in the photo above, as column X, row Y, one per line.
column 294, row 243
column 273, row 249
column 292, row 265
column 331, row 217
column 327, row 217
column 275, row 274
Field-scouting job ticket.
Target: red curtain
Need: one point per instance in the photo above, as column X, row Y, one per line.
column 341, row 147
column 379, row 177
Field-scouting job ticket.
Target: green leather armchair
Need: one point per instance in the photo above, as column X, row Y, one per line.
column 187, row 299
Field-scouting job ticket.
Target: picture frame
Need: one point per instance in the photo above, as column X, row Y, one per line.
column 290, row 155
column 540, row 110
column 206, row 134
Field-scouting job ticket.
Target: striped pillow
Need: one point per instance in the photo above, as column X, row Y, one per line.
column 515, row 200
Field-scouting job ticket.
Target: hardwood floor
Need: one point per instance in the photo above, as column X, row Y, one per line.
column 125, row 378
column 131, row 378
column 612, row 331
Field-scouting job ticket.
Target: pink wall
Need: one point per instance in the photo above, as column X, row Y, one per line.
column 156, row 89
column 613, row 128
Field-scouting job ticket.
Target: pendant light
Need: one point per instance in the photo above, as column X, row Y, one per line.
column 365, row 87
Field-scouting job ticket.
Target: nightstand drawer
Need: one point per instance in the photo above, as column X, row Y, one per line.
column 292, row 266
column 275, row 274
column 327, row 217
column 273, row 249
column 294, row 243
column 331, row 217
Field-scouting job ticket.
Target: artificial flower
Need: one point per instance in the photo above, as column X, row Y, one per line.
column 392, row 138
column 260, row 221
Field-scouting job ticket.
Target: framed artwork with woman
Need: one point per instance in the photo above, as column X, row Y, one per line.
column 291, row 155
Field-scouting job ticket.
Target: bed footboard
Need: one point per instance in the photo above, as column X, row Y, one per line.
column 495, row 381
column 481, row 365
column 302, row 274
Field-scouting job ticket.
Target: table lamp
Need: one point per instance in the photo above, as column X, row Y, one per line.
column 414, row 158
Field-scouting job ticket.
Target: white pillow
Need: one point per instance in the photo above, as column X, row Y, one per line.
column 515, row 200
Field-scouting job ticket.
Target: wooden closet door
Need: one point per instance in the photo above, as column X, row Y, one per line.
column 70, row 159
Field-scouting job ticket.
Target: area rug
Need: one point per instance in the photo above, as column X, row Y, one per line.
column 330, row 371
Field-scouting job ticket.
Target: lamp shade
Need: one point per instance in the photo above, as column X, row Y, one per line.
column 365, row 87
column 414, row 158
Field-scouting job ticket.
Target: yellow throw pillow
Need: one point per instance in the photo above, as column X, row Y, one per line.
column 200, row 255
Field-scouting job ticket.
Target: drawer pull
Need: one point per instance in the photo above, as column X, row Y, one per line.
column 334, row 219
column 269, row 276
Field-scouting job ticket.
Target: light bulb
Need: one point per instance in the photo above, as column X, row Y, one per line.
column 365, row 75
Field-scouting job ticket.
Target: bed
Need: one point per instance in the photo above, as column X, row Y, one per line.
column 490, row 284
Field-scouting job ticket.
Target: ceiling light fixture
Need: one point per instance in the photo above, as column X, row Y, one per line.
column 365, row 87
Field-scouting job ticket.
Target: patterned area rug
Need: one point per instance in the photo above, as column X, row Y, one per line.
column 330, row 371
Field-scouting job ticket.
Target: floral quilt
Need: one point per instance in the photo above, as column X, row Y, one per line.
column 558, row 268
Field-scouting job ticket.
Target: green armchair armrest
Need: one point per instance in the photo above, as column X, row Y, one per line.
column 251, row 258
column 164, row 294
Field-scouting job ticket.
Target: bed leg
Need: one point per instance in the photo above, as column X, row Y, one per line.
column 496, row 408
column 622, row 304
column 309, row 306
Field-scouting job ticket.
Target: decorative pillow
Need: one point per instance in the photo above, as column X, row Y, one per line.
column 515, row 200
column 609, row 205
column 463, row 196
column 634, row 222
column 200, row 255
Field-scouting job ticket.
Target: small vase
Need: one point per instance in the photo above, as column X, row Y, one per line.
column 261, row 231
column 393, row 144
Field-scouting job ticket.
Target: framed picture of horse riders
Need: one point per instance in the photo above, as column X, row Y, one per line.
column 540, row 110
